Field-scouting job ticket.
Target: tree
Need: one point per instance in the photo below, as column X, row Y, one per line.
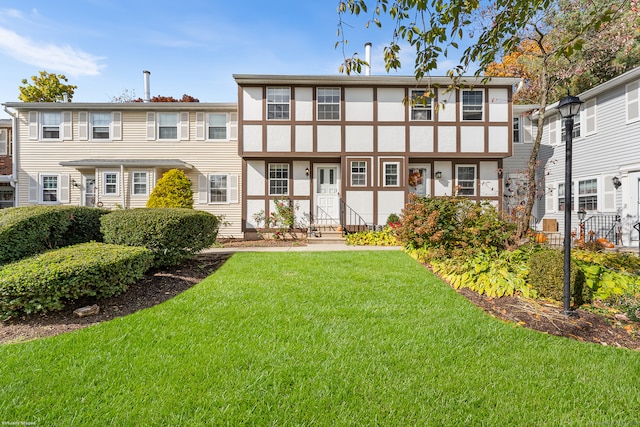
column 46, row 88
column 173, row 190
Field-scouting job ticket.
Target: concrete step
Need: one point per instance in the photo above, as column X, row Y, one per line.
column 325, row 237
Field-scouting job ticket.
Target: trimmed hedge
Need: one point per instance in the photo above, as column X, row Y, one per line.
column 29, row 230
column 172, row 234
column 46, row 281
column 546, row 276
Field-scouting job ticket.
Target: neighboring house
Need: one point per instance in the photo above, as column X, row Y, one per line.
column 6, row 167
column 347, row 149
column 605, row 157
column 112, row 154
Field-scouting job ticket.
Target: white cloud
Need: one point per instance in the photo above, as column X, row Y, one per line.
column 49, row 56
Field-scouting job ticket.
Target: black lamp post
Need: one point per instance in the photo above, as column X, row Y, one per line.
column 568, row 106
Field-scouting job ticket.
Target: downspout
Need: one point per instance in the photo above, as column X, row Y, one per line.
column 14, row 154
column 124, row 206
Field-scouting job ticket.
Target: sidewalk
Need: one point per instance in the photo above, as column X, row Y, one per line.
column 307, row 248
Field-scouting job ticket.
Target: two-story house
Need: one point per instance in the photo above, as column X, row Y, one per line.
column 6, row 164
column 605, row 157
column 112, row 154
column 347, row 147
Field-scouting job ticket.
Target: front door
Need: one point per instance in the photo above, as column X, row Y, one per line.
column 419, row 180
column 89, row 190
column 327, row 197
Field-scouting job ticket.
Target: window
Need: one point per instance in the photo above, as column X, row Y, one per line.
column 328, row 103
column 391, row 174
column 466, row 180
column 278, row 179
column 472, row 104
column 167, row 125
column 110, row 183
column 278, row 103
column 217, row 126
column 218, row 188
column 140, row 183
column 421, row 108
column 100, row 124
column 50, row 188
column 51, row 125
column 588, row 194
column 358, row 174
column 561, row 197
column 516, row 129
column 576, row 128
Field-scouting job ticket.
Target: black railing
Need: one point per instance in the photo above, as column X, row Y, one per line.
column 351, row 221
column 602, row 226
column 637, row 227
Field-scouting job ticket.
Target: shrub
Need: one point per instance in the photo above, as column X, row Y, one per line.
column 172, row 234
column 26, row 231
column 46, row 281
column 456, row 224
column 546, row 276
column 173, row 190
column 384, row 237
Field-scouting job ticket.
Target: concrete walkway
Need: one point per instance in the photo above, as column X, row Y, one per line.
column 307, row 248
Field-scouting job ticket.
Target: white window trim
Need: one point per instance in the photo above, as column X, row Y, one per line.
column 420, row 107
column 41, row 189
column 227, row 125
column 157, row 124
column 384, row 174
column 577, row 127
column 232, row 189
column 632, row 97
column 328, row 103
column 597, row 194
column 133, row 183
column 475, row 179
column 351, row 173
column 104, row 183
column 287, row 179
column 41, row 126
column 517, row 125
column 462, row 105
column 90, row 127
column 278, row 103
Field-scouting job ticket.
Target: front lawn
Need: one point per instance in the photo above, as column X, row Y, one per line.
column 316, row 338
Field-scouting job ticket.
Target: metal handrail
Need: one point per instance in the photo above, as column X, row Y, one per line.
column 351, row 221
column 603, row 226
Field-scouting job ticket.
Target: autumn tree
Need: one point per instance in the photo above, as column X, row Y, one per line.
column 46, row 87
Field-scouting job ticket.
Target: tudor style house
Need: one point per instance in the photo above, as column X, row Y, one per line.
column 112, row 154
column 606, row 161
column 350, row 149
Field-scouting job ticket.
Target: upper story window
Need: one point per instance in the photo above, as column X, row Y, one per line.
column 50, row 123
column 140, row 183
column 633, row 101
column 421, row 106
column 278, row 99
column 358, row 174
column 328, row 103
column 576, row 128
column 217, row 126
column 466, row 180
column 391, row 174
column 278, row 179
column 5, row 150
column 472, row 104
column 110, row 183
column 516, row 129
column 100, row 125
column 168, row 125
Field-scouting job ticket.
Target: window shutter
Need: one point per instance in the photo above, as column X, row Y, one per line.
column 233, row 126
column 67, row 131
column 608, row 194
column 184, row 126
column 633, row 103
column 33, row 125
column 233, row 188
column 116, row 126
column 550, row 197
column 83, row 126
column 3, row 142
column 203, row 189
column 553, row 130
column 33, row 190
column 151, row 126
column 590, row 117
column 64, row 188
column 200, row 128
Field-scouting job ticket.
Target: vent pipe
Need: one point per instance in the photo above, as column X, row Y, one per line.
column 367, row 57
column 147, row 89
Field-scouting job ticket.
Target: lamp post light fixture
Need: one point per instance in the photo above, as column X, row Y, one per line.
column 581, row 215
column 568, row 106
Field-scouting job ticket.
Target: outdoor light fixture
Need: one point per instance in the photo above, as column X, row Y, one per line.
column 438, row 175
column 306, row 171
column 74, row 183
column 581, row 214
column 616, row 182
column 568, row 107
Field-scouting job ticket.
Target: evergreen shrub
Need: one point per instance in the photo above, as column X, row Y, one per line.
column 173, row 190
column 546, row 276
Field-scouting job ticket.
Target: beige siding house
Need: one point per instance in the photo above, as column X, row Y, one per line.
column 112, row 154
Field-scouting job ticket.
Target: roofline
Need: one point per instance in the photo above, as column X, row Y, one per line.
column 146, row 106
column 385, row 80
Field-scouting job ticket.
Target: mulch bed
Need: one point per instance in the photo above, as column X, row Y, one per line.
column 159, row 286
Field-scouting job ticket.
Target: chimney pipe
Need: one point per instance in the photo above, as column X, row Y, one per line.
column 367, row 57
column 147, row 90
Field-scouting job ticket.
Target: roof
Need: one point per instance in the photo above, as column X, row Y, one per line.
column 121, row 106
column 109, row 163
column 255, row 79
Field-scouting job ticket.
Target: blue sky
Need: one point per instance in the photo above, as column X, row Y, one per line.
column 103, row 46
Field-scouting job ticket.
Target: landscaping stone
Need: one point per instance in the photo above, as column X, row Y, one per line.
column 90, row 310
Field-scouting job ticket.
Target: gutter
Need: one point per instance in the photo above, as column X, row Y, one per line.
column 14, row 148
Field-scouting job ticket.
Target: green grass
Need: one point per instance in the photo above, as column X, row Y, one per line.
column 303, row 338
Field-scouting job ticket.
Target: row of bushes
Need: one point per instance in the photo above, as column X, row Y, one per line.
column 46, row 281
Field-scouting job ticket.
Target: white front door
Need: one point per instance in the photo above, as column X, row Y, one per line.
column 327, row 197
column 89, row 190
column 419, row 182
